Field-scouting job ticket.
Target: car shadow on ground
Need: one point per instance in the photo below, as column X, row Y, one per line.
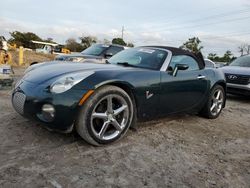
column 53, row 138
column 239, row 98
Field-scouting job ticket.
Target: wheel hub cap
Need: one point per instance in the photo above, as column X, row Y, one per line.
column 109, row 117
column 217, row 102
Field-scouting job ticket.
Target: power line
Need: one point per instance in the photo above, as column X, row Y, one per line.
column 178, row 42
column 226, row 36
column 183, row 14
column 202, row 19
column 221, row 15
column 235, row 34
column 199, row 25
column 210, row 21
column 218, row 16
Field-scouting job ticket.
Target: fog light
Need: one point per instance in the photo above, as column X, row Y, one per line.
column 48, row 112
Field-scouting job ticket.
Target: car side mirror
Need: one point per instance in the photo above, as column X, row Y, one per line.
column 179, row 67
column 108, row 55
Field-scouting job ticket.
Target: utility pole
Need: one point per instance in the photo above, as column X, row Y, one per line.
column 122, row 32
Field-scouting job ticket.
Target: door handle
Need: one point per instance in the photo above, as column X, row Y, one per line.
column 201, row 77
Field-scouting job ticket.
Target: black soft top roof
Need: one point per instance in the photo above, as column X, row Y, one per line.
column 179, row 51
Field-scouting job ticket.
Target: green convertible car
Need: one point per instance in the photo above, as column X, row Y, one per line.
column 103, row 100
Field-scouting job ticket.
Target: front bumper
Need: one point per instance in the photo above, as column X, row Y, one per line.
column 29, row 98
column 238, row 89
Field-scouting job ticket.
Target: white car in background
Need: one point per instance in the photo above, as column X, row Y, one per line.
column 209, row 63
column 6, row 76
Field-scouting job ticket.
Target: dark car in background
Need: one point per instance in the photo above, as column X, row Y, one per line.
column 238, row 76
column 99, row 52
column 103, row 100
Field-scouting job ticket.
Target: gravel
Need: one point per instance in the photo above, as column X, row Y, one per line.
column 177, row 151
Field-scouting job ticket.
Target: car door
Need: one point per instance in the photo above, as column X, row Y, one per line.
column 185, row 90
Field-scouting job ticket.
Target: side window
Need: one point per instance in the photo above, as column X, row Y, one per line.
column 184, row 59
column 114, row 50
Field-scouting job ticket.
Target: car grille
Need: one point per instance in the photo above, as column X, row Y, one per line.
column 237, row 79
column 18, row 101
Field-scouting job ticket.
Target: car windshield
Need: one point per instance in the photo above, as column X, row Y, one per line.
column 243, row 61
column 148, row 58
column 96, row 49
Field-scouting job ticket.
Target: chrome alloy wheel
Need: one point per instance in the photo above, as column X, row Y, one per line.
column 217, row 102
column 109, row 117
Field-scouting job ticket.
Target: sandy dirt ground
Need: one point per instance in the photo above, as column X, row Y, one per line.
column 30, row 57
column 179, row 151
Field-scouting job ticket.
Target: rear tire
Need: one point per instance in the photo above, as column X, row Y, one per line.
column 215, row 103
column 106, row 116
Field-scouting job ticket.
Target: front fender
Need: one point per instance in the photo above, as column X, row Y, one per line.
column 115, row 82
column 216, row 76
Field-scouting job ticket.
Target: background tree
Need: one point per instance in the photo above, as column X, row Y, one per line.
column 244, row 49
column 73, row 45
column 106, row 41
column 247, row 49
column 193, row 44
column 130, row 44
column 50, row 40
column 227, row 56
column 119, row 41
column 88, row 41
column 241, row 50
column 212, row 56
column 24, row 39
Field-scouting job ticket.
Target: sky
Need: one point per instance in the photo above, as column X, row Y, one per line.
column 220, row 24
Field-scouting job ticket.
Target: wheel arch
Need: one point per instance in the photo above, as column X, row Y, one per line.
column 127, row 87
column 224, row 85
column 33, row 63
column 84, row 126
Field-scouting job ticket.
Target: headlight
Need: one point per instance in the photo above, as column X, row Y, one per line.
column 66, row 82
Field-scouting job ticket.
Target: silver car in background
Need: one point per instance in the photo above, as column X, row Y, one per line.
column 99, row 52
column 238, row 76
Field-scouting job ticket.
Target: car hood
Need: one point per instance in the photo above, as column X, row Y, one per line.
column 236, row 70
column 47, row 71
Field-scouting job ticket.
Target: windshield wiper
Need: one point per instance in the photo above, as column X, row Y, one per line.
column 126, row 64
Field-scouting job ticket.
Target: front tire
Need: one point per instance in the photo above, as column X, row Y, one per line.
column 215, row 102
column 106, row 116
